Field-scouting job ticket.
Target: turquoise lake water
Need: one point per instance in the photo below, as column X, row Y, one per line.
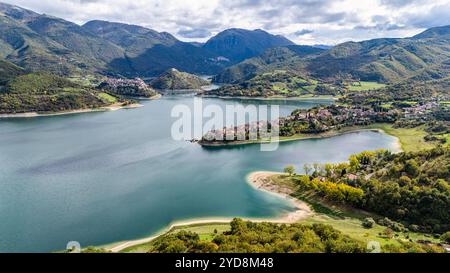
column 98, row 178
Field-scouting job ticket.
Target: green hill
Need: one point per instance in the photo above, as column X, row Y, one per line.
column 8, row 71
column 382, row 60
column 434, row 32
column 40, row 42
column 42, row 93
column 240, row 44
column 379, row 60
column 176, row 80
column 76, row 38
column 151, row 53
column 279, row 58
column 276, row 83
column 134, row 39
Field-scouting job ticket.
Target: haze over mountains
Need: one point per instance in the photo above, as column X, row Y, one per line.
column 41, row 42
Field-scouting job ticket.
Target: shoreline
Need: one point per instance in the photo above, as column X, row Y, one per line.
column 259, row 181
column 155, row 97
column 330, row 134
column 113, row 107
column 270, row 98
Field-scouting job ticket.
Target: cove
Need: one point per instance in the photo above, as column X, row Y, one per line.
column 104, row 177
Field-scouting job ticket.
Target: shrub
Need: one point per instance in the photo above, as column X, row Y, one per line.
column 368, row 223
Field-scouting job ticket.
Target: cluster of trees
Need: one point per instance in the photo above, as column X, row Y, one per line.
column 416, row 91
column 249, row 237
column 411, row 188
column 337, row 192
column 276, row 83
column 333, row 117
column 41, row 92
column 177, row 80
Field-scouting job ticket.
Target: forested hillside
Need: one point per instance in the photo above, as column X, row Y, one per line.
column 43, row 93
column 411, row 188
column 380, row 60
column 8, row 71
column 173, row 79
column 239, row 44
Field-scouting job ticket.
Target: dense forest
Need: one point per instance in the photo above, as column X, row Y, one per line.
column 411, row 188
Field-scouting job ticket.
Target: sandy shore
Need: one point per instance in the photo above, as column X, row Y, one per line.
column 113, row 107
column 262, row 181
column 258, row 180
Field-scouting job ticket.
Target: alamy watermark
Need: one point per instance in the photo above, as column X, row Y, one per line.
column 374, row 247
column 73, row 247
column 234, row 122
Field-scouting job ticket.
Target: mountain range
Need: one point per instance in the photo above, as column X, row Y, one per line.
column 381, row 60
column 37, row 42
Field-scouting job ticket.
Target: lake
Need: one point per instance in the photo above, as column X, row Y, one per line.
column 103, row 177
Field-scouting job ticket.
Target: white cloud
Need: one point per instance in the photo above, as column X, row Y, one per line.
column 327, row 21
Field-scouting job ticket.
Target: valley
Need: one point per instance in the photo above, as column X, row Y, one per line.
column 363, row 138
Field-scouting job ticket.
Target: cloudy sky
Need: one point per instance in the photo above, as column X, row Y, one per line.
column 302, row 21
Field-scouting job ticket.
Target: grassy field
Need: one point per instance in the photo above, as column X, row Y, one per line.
column 364, row 86
column 411, row 139
column 86, row 80
column 353, row 228
column 107, row 98
column 206, row 232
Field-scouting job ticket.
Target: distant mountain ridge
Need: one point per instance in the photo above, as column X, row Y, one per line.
column 381, row 60
column 39, row 42
column 240, row 44
column 286, row 58
column 135, row 39
column 434, row 32
column 151, row 53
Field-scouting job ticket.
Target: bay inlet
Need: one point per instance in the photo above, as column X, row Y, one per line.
column 104, row 177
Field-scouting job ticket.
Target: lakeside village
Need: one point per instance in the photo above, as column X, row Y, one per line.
column 117, row 83
column 324, row 119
